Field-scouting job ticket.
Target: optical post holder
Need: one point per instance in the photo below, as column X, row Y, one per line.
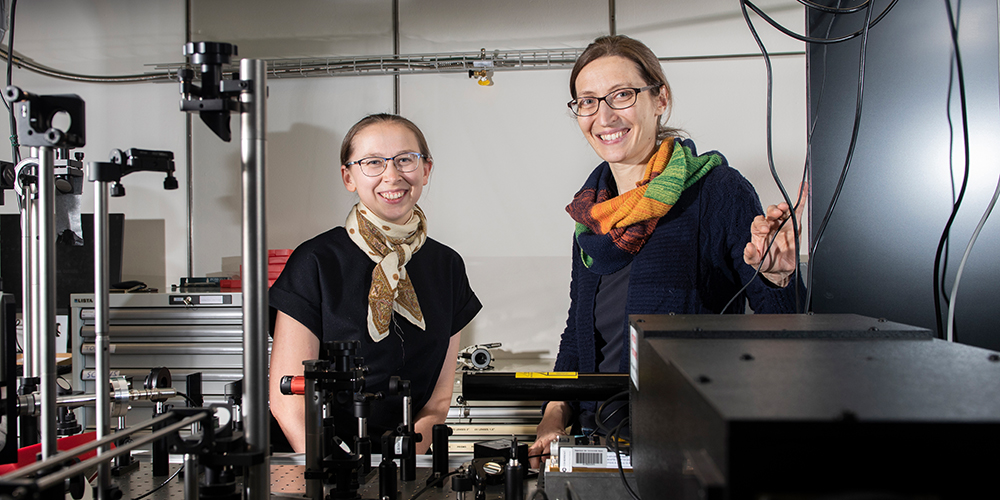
column 34, row 115
column 214, row 100
column 338, row 378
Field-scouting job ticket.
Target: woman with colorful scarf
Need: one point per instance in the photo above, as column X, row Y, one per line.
column 660, row 229
column 379, row 280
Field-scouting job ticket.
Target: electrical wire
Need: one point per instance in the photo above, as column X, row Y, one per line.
column 965, row 257
column 600, row 409
column 15, row 150
column 951, row 165
column 613, row 438
column 938, row 271
column 867, row 6
column 164, row 483
column 833, row 10
column 538, row 492
column 186, row 398
column 427, row 487
column 774, row 174
column 859, row 102
column 761, row 264
column 802, row 38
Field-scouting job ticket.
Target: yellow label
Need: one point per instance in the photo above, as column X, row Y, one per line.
column 572, row 375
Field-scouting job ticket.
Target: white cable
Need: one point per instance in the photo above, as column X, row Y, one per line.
column 968, row 248
column 965, row 257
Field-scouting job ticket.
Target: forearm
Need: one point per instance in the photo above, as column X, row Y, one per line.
column 424, row 423
column 289, row 411
column 292, row 344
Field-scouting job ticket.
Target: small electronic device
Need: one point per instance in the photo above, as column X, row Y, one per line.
column 587, row 453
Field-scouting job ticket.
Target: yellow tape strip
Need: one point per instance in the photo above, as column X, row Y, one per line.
column 570, row 375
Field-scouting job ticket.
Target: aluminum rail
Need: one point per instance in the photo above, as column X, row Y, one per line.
column 44, row 299
column 84, row 448
column 253, row 148
column 61, row 476
column 102, row 342
column 28, row 207
column 27, row 405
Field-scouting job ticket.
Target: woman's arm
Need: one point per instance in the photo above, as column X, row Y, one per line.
column 436, row 409
column 293, row 343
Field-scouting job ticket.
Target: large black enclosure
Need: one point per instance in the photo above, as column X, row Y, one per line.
column 877, row 255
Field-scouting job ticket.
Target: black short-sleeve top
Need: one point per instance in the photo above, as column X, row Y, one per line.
column 325, row 285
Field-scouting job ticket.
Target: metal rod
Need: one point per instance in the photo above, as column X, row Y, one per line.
column 101, row 342
column 253, row 123
column 519, row 387
column 23, row 402
column 189, row 188
column 55, row 478
column 395, row 53
column 612, row 29
column 45, row 297
column 190, row 477
column 314, row 433
column 27, row 278
column 70, row 454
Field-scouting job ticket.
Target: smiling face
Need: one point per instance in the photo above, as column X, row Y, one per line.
column 393, row 194
column 621, row 137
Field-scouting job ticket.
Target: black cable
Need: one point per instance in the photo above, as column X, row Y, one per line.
column 571, row 492
column 600, row 409
column 15, row 151
column 938, row 272
column 951, row 167
column 186, row 398
column 432, row 484
column 809, row 39
column 164, row 483
column 613, row 437
column 847, row 162
column 538, row 492
column 833, row 10
column 761, row 264
column 769, row 148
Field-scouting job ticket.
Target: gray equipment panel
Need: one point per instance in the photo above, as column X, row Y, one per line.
column 204, row 334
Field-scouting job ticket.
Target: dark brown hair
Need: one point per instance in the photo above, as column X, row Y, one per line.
column 347, row 148
column 645, row 61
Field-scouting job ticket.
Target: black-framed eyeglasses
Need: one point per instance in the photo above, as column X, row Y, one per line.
column 373, row 166
column 622, row 98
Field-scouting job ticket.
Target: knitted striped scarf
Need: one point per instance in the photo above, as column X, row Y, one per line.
column 612, row 229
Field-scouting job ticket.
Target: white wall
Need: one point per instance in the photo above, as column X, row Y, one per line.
column 115, row 37
column 508, row 158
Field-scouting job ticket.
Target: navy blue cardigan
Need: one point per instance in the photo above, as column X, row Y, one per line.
column 692, row 264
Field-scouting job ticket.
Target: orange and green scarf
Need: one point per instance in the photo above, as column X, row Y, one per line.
column 612, row 229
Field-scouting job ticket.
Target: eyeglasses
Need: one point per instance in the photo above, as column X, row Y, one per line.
column 373, row 166
column 619, row 99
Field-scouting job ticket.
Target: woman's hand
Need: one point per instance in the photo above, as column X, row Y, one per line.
column 553, row 425
column 779, row 261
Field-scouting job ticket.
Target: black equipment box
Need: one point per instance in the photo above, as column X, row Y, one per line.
column 756, row 406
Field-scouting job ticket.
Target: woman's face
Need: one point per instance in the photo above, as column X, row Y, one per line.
column 393, row 194
column 620, row 136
